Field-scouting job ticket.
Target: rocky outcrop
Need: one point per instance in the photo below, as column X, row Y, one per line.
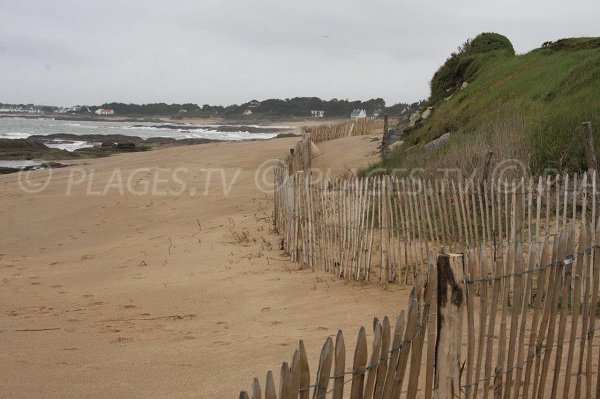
column 414, row 118
column 395, row 145
column 21, row 144
column 44, row 165
column 437, row 143
column 427, row 113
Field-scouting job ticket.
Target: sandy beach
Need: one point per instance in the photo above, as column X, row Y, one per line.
column 172, row 287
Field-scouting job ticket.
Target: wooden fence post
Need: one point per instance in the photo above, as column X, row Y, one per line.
column 588, row 142
column 451, row 303
column 384, row 137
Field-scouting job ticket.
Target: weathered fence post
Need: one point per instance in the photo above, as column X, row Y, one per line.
column 384, row 137
column 588, row 142
column 451, row 302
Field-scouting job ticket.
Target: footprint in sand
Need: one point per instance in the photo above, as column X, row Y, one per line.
column 109, row 329
column 224, row 324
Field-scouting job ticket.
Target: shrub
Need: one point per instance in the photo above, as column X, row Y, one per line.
column 461, row 65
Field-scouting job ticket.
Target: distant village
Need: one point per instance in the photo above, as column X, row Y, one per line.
column 302, row 107
column 43, row 109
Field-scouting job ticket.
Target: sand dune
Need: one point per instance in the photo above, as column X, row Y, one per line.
column 179, row 291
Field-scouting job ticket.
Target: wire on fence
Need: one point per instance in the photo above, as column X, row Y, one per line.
column 569, row 259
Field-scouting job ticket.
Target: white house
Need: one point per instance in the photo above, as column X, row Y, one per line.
column 247, row 112
column 358, row 113
column 104, row 111
column 317, row 113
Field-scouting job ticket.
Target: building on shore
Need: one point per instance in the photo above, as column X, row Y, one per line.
column 317, row 113
column 358, row 114
column 247, row 112
column 104, row 111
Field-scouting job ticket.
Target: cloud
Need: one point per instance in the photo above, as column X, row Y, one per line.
column 222, row 52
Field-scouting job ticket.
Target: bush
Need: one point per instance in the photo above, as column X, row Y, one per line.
column 486, row 42
column 461, row 65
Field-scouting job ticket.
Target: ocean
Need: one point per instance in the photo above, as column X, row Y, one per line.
column 21, row 128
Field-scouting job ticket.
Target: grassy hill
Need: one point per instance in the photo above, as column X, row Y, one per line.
column 528, row 106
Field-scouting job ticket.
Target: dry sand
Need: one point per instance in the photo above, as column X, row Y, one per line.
column 163, row 295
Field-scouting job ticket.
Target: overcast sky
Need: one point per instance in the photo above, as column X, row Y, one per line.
column 232, row 51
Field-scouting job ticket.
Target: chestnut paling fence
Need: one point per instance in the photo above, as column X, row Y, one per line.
column 505, row 282
column 517, row 323
column 382, row 227
column 355, row 127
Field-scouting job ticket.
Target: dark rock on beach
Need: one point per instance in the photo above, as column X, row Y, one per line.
column 44, row 165
column 286, row 135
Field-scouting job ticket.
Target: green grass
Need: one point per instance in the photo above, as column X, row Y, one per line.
column 533, row 103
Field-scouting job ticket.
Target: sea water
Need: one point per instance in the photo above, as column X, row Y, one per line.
column 21, row 128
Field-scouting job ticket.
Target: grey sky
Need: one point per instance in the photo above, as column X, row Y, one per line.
column 231, row 51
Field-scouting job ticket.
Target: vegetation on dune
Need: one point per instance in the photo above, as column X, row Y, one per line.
column 528, row 106
column 462, row 65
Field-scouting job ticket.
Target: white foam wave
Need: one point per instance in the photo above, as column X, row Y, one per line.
column 79, row 125
column 226, row 136
column 14, row 135
column 69, row 145
column 18, row 164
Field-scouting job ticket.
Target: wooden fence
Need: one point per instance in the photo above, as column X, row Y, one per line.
column 384, row 226
column 355, row 127
column 394, row 362
column 298, row 158
column 526, row 316
column 531, row 319
column 512, row 313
